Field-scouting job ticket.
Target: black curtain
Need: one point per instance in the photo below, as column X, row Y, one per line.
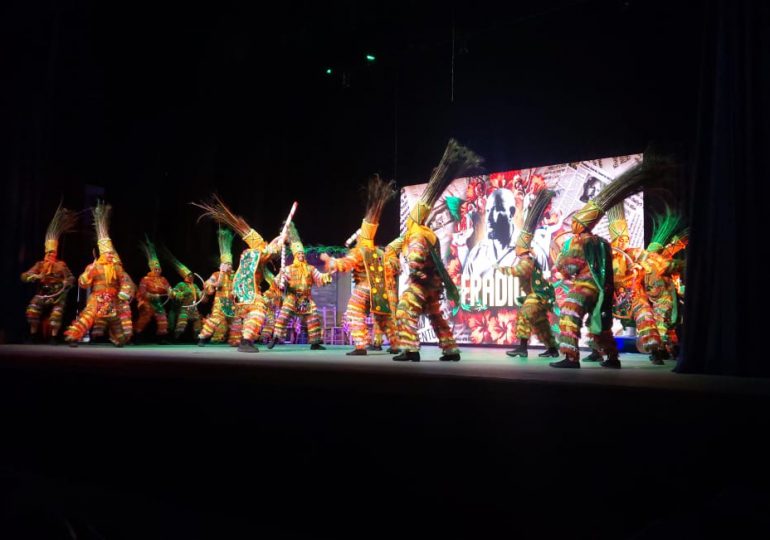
column 725, row 326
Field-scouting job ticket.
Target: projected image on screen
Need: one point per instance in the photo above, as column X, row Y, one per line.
column 478, row 220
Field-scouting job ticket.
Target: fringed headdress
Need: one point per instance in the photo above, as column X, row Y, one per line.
column 456, row 160
column 652, row 170
column 379, row 192
column 102, row 213
column 150, row 253
column 181, row 269
column 618, row 225
column 63, row 221
column 225, row 238
column 532, row 221
column 295, row 243
column 217, row 210
column 677, row 242
column 663, row 229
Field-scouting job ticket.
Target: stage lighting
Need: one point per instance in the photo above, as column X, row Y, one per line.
column 328, row 71
column 370, row 58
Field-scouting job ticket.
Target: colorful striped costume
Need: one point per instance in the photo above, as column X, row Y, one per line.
column 370, row 294
column 296, row 280
column 427, row 278
column 149, row 302
column 423, row 293
column 587, row 263
column 109, row 285
column 533, row 313
column 53, row 277
column 251, row 304
column 272, row 298
column 54, row 280
column 222, row 316
column 186, row 294
column 111, row 289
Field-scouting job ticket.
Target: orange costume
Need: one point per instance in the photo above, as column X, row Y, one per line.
column 533, row 313
column 111, row 288
column 220, row 286
column 53, row 277
column 586, row 260
column 297, row 280
column 427, row 277
column 150, row 296
column 249, row 303
column 365, row 261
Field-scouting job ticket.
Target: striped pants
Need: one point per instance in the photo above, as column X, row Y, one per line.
column 647, row 334
column 148, row 311
column 269, row 325
column 533, row 317
column 358, row 307
column 217, row 325
column 124, row 314
column 416, row 300
column 103, row 309
column 254, row 319
column 38, row 305
column 188, row 316
column 581, row 299
column 663, row 308
column 288, row 309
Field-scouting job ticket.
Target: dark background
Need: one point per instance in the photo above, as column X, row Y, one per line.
column 163, row 103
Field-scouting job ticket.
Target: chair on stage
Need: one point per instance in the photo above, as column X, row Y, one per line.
column 332, row 334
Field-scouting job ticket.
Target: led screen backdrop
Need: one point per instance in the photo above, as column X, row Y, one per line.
column 477, row 220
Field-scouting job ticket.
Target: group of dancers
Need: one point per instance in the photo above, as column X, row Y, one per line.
column 253, row 304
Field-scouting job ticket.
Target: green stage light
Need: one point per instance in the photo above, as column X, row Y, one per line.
column 370, row 58
column 328, row 71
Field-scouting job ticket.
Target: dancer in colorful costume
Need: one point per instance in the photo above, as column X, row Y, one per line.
column 249, row 302
column 186, row 295
column 630, row 303
column 151, row 296
column 53, row 277
column 659, row 283
column 366, row 263
column 391, row 254
column 427, row 276
column 220, row 286
column 111, row 288
column 297, row 280
column 273, row 298
column 533, row 313
column 586, row 260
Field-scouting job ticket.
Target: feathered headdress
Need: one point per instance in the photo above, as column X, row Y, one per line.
column 652, row 170
column 217, row 210
column 63, row 221
column 677, row 242
column 181, row 269
column 102, row 213
column 150, row 253
column 456, row 160
column 379, row 192
column 225, row 238
column 618, row 225
column 295, row 243
column 532, row 221
column 663, row 229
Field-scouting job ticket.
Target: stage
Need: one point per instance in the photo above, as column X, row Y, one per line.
column 182, row 441
column 478, row 363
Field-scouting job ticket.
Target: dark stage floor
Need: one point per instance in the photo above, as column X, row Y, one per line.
column 187, row 442
column 480, row 363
